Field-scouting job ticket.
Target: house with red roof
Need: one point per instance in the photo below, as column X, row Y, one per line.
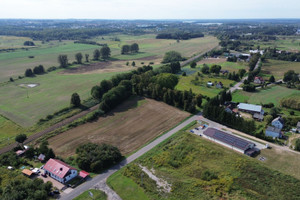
column 60, row 171
column 259, row 80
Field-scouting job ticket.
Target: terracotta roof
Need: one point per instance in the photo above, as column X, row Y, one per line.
column 27, row 172
column 57, row 167
column 83, row 174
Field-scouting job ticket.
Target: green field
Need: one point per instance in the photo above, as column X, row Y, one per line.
column 283, row 43
column 267, row 95
column 278, row 68
column 230, row 66
column 13, row 42
column 186, row 84
column 97, row 195
column 200, row 169
column 13, row 64
column 53, row 93
column 8, row 131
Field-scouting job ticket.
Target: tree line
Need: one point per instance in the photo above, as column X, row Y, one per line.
column 273, row 53
column 38, row 70
column 179, row 35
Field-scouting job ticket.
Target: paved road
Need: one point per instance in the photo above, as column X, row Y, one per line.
column 195, row 57
column 50, row 129
column 91, row 183
column 237, row 86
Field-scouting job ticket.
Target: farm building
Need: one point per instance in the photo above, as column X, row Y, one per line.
column 59, row 170
column 250, row 108
column 209, row 84
column 228, row 140
column 273, row 132
column 27, row 172
column 258, row 117
column 219, row 85
column 278, row 123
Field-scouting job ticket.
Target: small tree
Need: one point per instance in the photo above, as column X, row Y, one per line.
column 133, row 64
column 78, row 57
column 96, row 54
column 183, row 73
column 11, row 79
column 193, row 64
column 87, row 57
column 21, row 138
column 28, row 73
column 297, row 145
column 205, row 69
column 199, row 100
column 63, row 60
column 272, row 79
column 75, row 100
column 105, row 52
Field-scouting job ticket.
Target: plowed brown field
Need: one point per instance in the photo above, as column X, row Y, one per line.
column 129, row 126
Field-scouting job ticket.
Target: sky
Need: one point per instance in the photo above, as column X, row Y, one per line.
column 149, row 9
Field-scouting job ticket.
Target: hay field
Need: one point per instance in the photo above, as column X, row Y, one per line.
column 129, row 126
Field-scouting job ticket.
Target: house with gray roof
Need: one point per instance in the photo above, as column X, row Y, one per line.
column 273, row 132
column 278, row 123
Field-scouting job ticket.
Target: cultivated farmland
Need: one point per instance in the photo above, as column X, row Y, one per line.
column 129, row 126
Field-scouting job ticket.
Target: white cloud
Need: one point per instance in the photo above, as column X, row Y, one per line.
column 149, row 9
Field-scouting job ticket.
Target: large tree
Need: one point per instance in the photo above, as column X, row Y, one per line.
column 134, row 48
column 125, row 49
column 105, row 52
column 78, row 57
column 96, row 54
column 172, row 56
column 75, row 100
column 28, row 72
column 63, row 60
column 20, row 138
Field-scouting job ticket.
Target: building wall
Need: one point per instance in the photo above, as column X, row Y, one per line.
column 63, row 180
column 71, row 176
column 272, row 134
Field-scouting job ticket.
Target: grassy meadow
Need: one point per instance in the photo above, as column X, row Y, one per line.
column 185, row 83
column 97, row 195
column 13, row 64
column 286, row 43
column 271, row 94
column 278, row 67
column 8, row 131
column 200, row 169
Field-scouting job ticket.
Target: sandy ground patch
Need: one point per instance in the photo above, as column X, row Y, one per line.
column 211, row 60
column 128, row 127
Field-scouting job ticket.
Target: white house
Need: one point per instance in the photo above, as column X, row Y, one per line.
column 278, row 123
column 59, row 170
column 273, row 132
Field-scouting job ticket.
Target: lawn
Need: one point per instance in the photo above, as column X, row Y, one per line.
column 271, row 94
column 129, row 126
column 185, row 83
column 199, row 169
column 97, row 195
column 278, row 67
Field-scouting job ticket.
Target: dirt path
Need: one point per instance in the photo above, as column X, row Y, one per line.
column 111, row 195
column 195, row 57
column 50, row 129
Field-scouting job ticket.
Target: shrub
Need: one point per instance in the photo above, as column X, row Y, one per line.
column 172, row 56
column 11, row 79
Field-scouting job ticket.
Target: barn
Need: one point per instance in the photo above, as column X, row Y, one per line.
column 231, row 141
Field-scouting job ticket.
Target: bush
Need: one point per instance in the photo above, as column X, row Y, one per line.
column 50, row 69
column 11, row 79
column 28, row 73
column 93, row 157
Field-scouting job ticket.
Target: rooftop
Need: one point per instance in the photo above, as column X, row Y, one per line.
column 250, row 107
column 228, row 138
column 27, row 172
column 57, row 167
column 278, row 119
column 273, row 129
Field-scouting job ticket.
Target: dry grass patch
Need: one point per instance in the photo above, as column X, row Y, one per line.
column 129, row 126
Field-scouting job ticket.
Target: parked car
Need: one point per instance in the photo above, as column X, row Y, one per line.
column 56, row 192
column 191, row 131
column 44, row 175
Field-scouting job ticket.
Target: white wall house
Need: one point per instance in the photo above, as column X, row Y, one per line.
column 60, row 171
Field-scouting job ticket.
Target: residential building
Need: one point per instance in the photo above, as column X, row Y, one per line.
column 250, row 108
column 59, row 170
column 228, row 140
column 273, row 132
column 219, row 85
column 259, row 80
column 278, row 123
